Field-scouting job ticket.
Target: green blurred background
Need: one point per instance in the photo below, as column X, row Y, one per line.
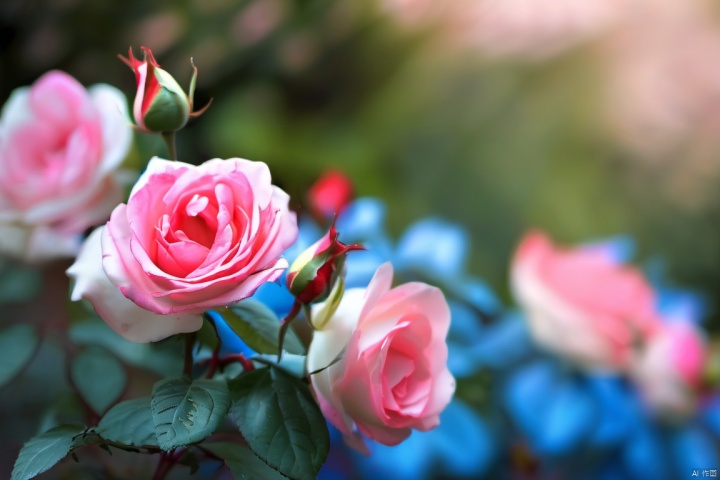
column 607, row 124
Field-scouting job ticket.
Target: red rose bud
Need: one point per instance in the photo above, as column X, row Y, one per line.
column 330, row 194
column 312, row 275
column 160, row 104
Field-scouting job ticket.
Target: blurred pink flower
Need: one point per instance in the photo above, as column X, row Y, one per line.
column 660, row 95
column 527, row 28
column 663, row 89
column 60, row 149
column 581, row 303
column 669, row 369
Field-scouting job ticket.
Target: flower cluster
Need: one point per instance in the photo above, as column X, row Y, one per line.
column 182, row 256
column 629, row 382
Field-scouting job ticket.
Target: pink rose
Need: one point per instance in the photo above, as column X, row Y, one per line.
column 391, row 376
column 189, row 239
column 669, row 369
column 581, row 303
column 60, row 148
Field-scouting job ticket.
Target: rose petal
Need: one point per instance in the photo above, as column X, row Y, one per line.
column 112, row 107
column 121, row 314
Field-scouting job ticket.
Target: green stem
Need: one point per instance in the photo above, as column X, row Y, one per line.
column 169, row 138
column 285, row 325
column 188, row 363
column 307, row 310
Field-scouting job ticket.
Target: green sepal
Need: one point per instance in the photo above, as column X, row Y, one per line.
column 323, row 316
column 170, row 109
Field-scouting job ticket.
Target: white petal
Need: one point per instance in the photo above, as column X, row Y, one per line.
column 16, row 110
column 122, row 315
column 329, row 342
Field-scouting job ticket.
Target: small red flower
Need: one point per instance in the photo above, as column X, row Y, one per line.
column 330, row 194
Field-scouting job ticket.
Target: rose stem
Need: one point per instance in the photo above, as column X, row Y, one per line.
column 188, row 364
column 285, row 324
column 169, row 138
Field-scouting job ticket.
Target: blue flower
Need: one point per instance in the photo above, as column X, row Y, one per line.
column 554, row 412
column 462, row 446
column 436, row 247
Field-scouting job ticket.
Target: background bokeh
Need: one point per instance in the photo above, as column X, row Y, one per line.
column 586, row 119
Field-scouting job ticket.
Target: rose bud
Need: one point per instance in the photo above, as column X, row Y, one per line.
column 160, row 104
column 312, row 275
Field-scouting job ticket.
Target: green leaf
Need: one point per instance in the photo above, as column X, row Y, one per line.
column 242, row 462
column 207, row 336
column 99, row 378
column 281, row 422
column 186, row 412
column 129, row 422
column 164, row 357
column 43, row 451
column 259, row 327
column 17, row 346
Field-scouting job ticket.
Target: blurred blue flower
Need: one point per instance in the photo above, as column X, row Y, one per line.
column 363, row 220
column 675, row 304
column 436, row 247
column 461, row 447
column 553, row 410
column 620, row 248
column 565, row 414
column 473, row 346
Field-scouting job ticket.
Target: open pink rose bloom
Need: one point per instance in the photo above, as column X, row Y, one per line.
column 189, row 239
column 390, row 373
column 60, row 149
